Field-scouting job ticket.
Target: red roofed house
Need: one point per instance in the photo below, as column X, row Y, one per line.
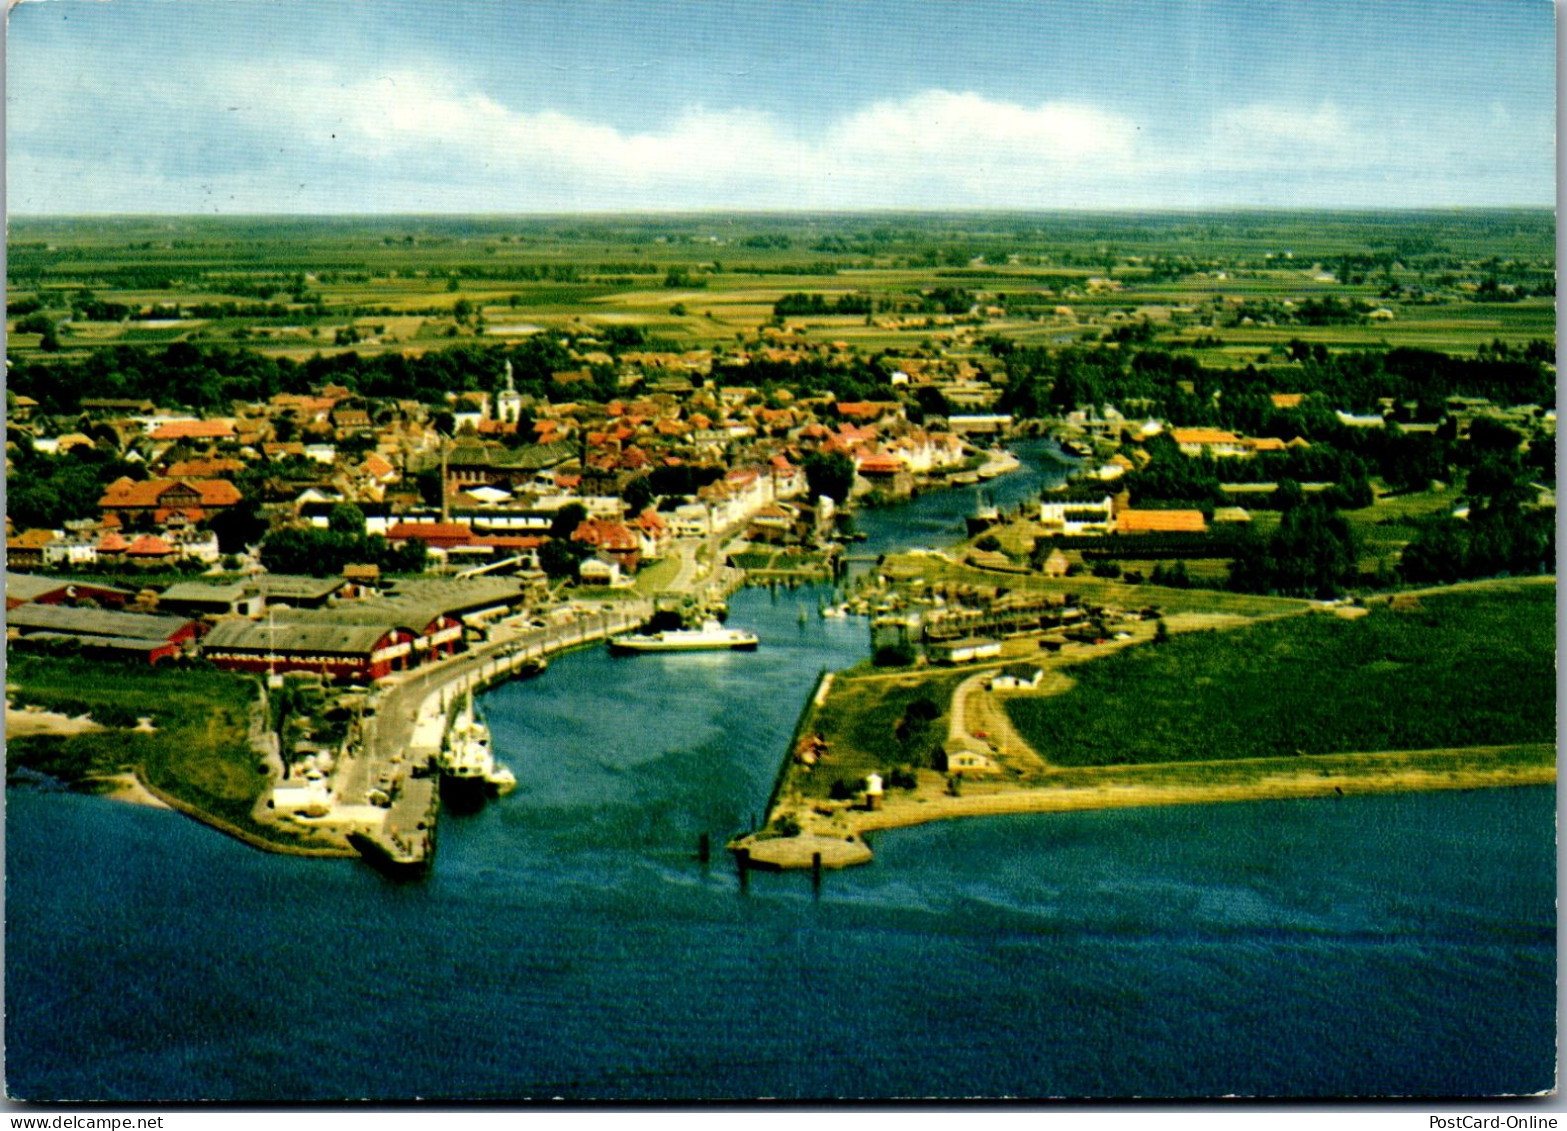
column 886, row 473
column 1160, row 522
column 150, row 550
column 1210, row 441
column 26, row 550
column 654, row 532
column 155, row 500
column 112, row 547
column 195, row 430
column 436, row 535
column 613, row 540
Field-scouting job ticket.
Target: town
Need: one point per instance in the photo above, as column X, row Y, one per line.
column 369, row 532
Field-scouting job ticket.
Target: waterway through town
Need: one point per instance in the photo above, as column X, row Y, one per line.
column 568, row 942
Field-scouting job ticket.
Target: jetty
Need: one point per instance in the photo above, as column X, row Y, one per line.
column 387, row 793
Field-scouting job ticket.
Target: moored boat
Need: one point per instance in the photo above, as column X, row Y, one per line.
column 467, row 761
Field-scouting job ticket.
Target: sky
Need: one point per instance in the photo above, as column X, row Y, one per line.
column 538, row 106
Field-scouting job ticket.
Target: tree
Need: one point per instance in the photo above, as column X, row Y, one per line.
column 566, row 521
column 830, row 474
column 560, row 557
column 638, row 495
column 346, row 518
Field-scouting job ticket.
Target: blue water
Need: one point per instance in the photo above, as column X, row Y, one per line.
column 569, row 944
column 937, row 518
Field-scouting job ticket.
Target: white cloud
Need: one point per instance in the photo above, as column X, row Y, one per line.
column 935, row 147
column 307, row 136
column 1271, row 134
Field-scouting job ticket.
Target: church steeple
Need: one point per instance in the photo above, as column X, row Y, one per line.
column 508, row 404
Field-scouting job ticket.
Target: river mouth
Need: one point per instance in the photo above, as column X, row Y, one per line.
column 570, row 943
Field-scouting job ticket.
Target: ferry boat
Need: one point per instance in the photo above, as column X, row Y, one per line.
column 711, row 637
column 467, row 762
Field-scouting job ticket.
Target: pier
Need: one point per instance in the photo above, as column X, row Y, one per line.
column 386, row 788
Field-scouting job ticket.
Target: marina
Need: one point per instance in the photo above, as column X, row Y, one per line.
column 568, row 942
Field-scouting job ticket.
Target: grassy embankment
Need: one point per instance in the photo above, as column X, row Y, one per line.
column 1459, row 691
column 198, row 758
column 1464, row 669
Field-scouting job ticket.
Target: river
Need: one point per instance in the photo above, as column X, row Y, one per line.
column 569, row 943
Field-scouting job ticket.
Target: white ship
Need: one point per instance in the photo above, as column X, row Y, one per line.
column 711, row 637
column 467, row 762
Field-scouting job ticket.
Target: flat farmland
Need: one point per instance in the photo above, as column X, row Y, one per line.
column 951, row 280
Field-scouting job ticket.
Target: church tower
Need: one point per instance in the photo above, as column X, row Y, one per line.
column 508, row 405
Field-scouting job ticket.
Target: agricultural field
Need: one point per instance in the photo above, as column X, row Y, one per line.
column 1462, row 667
column 1226, row 285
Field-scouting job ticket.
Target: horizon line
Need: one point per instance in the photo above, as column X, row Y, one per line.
column 956, row 210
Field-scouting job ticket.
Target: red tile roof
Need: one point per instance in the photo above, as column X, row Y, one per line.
column 150, row 493
column 1203, row 436
column 442, row 533
column 150, row 546
column 194, row 430
column 1160, row 522
column 606, row 535
column 203, row 468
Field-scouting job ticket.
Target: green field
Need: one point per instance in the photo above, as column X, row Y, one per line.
column 1465, row 668
column 938, row 571
column 860, row 722
column 199, row 753
column 699, row 281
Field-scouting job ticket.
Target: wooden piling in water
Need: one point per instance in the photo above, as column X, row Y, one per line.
column 743, row 863
column 704, row 848
column 816, row 870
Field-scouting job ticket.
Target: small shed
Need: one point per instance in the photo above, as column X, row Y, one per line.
column 965, row 755
column 1016, row 677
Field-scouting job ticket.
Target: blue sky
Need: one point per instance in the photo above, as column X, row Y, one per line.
column 241, row 106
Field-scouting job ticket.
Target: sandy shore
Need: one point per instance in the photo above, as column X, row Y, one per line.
column 126, row 787
column 22, row 722
column 904, row 813
column 1270, row 779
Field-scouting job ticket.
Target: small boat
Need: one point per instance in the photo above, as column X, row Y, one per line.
column 833, row 611
column 711, row 637
column 998, row 461
column 1077, row 449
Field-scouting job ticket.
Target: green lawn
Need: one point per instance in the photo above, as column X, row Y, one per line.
column 1471, row 667
column 199, row 753
column 860, row 720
